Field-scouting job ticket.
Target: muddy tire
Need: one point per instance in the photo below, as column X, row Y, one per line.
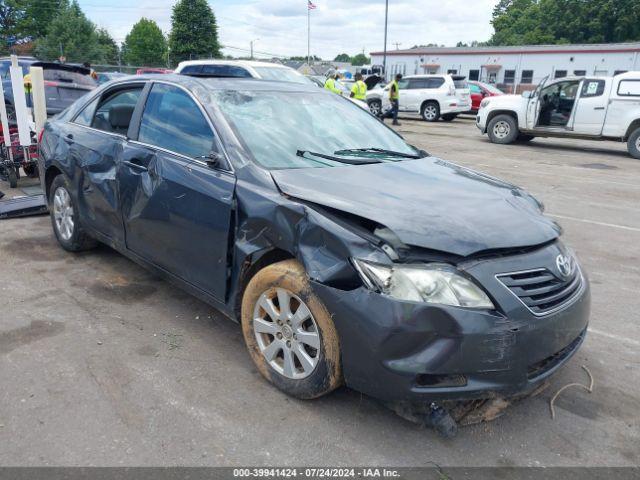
column 633, row 143
column 503, row 129
column 64, row 218
column 289, row 332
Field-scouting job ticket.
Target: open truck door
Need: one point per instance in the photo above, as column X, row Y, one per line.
column 533, row 106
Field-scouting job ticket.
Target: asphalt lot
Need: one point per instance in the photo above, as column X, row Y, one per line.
column 103, row 364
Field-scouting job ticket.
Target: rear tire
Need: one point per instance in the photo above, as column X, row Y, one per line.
column 300, row 357
column 503, row 129
column 64, row 218
column 449, row 117
column 633, row 143
column 12, row 177
column 430, row 111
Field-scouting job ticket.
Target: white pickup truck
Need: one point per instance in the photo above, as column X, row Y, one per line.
column 590, row 108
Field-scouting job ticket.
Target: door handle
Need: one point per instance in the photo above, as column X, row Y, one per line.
column 598, row 108
column 69, row 138
column 135, row 165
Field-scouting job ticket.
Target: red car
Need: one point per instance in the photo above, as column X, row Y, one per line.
column 479, row 91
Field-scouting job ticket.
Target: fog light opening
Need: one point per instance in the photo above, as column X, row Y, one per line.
column 440, row 381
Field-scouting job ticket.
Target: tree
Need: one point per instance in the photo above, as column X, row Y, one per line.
column 9, row 17
column 343, row 57
column 37, row 16
column 360, row 59
column 109, row 46
column 194, row 32
column 145, row 45
column 73, row 36
column 521, row 22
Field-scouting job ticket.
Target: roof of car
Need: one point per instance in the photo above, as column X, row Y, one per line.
column 228, row 83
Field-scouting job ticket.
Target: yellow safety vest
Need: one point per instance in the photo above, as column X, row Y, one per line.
column 330, row 85
column 395, row 93
column 359, row 90
column 27, row 82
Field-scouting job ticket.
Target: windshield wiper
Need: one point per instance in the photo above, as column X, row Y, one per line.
column 382, row 151
column 348, row 161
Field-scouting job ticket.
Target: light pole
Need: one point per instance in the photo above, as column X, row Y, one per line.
column 386, row 20
column 251, row 43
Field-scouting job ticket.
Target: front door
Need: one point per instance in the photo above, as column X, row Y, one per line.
column 592, row 106
column 533, row 106
column 176, row 209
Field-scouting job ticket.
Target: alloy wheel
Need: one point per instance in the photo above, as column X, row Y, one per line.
column 287, row 334
column 375, row 108
column 63, row 213
column 430, row 113
column 501, row 129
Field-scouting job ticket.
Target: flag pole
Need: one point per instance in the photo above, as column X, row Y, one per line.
column 308, row 35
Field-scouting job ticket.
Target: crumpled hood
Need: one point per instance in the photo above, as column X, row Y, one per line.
column 428, row 203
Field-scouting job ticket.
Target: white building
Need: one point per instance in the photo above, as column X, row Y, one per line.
column 514, row 68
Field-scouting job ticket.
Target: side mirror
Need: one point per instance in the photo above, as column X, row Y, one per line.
column 527, row 94
column 213, row 159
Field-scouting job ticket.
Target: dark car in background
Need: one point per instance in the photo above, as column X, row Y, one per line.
column 480, row 91
column 63, row 83
column 346, row 254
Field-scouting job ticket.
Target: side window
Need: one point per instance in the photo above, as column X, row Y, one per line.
column 225, row 71
column 85, row 117
column 172, row 120
column 435, row 82
column 416, row 83
column 113, row 113
column 475, row 88
column 592, row 88
column 629, row 88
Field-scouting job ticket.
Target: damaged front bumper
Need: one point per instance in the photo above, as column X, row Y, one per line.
column 417, row 352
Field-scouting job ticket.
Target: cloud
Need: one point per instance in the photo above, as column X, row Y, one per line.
column 336, row 25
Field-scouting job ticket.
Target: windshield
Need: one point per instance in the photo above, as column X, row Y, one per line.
column 274, row 126
column 492, row 89
column 281, row 75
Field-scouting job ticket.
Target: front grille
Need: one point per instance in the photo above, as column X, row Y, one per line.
column 541, row 290
column 543, row 366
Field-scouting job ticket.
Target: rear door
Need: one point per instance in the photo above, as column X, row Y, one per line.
column 463, row 93
column 411, row 92
column 591, row 109
column 95, row 139
column 176, row 209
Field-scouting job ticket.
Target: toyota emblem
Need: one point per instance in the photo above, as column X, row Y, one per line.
column 565, row 265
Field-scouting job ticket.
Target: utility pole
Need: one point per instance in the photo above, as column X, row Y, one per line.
column 397, row 44
column 251, row 44
column 386, row 23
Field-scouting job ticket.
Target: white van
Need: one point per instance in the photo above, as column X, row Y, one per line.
column 431, row 96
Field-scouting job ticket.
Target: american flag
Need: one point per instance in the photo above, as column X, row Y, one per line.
column 310, row 5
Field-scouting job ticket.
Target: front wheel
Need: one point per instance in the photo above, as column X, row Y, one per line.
column 375, row 107
column 64, row 218
column 633, row 143
column 289, row 332
column 430, row 112
column 503, row 129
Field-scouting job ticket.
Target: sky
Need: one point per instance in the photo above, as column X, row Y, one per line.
column 279, row 27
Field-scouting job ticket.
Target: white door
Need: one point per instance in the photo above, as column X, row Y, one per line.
column 410, row 93
column 533, row 106
column 592, row 106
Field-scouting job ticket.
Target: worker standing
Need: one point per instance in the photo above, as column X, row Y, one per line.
column 394, row 99
column 359, row 89
column 330, row 84
column 27, row 88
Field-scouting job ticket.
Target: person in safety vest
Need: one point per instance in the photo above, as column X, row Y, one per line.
column 394, row 99
column 26, row 80
column 330, row 84
column 359, row 89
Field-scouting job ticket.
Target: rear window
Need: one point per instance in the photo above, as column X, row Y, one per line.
column 225, row 71
column 191, row 69
column 460, row 82
column 629, row 88
column 64, row 76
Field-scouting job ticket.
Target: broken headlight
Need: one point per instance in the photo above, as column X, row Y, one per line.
column 429, row 283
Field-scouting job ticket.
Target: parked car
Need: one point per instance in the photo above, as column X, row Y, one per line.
column 346, row 254
column 64, row 84
column 432, row 96
column 589, row 108
column 241, row 69
column 479, row 91
column 149, row 70
column 104, row 77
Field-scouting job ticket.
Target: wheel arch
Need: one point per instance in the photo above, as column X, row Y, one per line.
column 51, row 173
column 632, row 128
column 495, row 113
column 430, row 100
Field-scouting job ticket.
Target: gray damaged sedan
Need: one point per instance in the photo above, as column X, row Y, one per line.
column 347, row 255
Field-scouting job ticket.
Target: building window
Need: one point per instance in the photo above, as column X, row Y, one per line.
column 527, row 76
column 509, row 77
column 474, row 75
column 560, row 74
column 579, row 73
column 452, row 72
